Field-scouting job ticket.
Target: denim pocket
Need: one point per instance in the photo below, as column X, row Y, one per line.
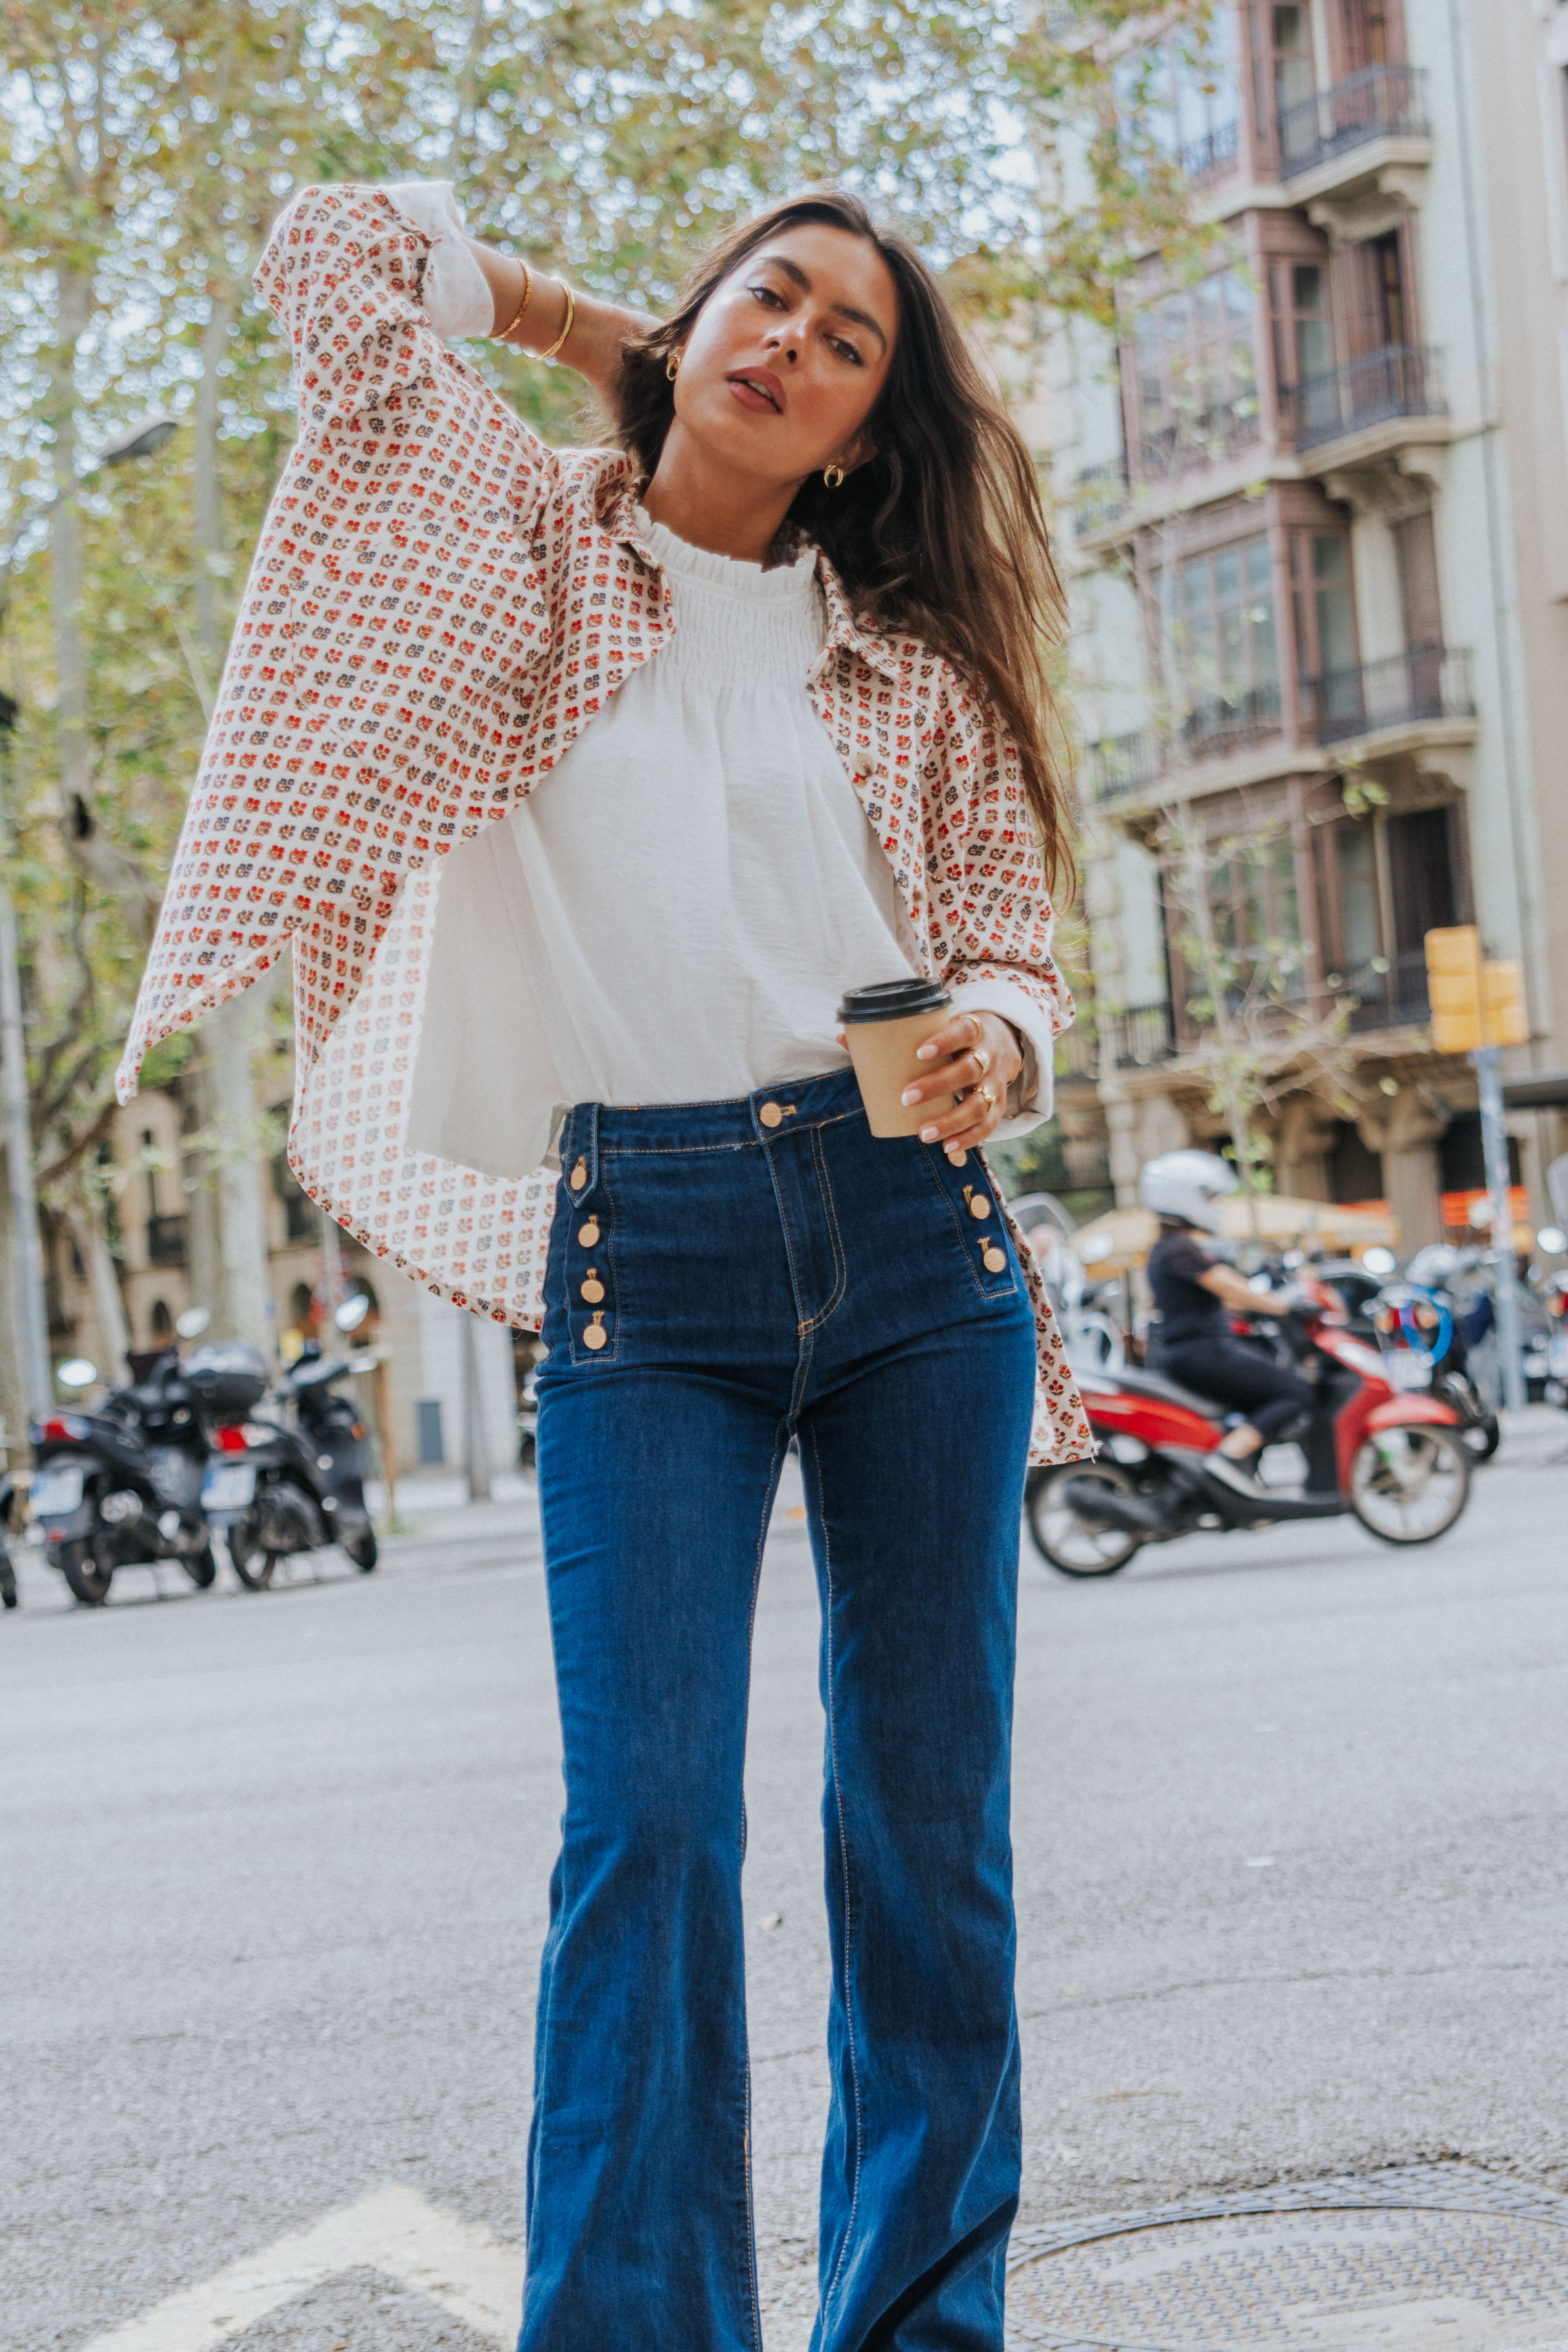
column 976, row 1215
column 588, row 1258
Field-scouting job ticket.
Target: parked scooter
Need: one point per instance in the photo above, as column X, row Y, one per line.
column 124, row 1483
column 278, row 1487
column 1422, row 1328
column 1397, row 1463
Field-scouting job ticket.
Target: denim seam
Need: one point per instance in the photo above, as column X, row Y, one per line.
column 768, row 1497
column 840, row 1257
column 1008, row 1289
column 848, row 1880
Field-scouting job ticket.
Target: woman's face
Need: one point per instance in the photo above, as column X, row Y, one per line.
column 787, row 357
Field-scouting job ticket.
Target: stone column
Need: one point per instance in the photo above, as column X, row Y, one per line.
column 1405, row 1129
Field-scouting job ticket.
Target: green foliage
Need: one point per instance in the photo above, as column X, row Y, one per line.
column 143, row 153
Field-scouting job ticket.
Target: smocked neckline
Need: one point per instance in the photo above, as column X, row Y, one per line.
column 786, row 583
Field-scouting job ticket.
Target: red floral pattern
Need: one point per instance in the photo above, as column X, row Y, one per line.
column 438, row 605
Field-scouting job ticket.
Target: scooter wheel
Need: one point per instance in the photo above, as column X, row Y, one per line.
column 1481, row 1440
column 1408, row 1486
column 1076, row 1546
column 362, row 1550
column 254, row 1568
column 78, row 1564
column 200, row 1567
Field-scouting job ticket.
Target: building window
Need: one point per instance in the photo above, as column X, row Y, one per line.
column 1366, row 33
column 1218, row 620
column 1181, row 96
column 1257, row 918
column 162, row 1321
column 1197, row 375
column 1325, row 620
column 1383, row 883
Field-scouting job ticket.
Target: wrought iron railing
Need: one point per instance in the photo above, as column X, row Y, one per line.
column 1399, row 380
column 1120, row 766
column 1203, row 439
column 1381, row 101
column 1138, row 1036
column 1098, row 498
column 165, row 1241
column 1390, row 992
column 1423, row 683
column 1224, row 722
column 1215, row 151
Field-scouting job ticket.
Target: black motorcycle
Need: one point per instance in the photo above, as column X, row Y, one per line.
column 122, row 1483
column 280, row 1485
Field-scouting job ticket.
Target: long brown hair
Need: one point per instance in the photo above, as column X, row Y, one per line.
column 941, row 533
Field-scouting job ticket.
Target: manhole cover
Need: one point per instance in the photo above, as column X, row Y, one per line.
column 1408, row 2261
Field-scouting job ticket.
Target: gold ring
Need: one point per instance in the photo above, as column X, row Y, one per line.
column 986, row 1096
column 975, row 1024
column 981, row 1059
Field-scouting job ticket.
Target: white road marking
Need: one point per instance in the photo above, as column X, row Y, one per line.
column 476, row 2277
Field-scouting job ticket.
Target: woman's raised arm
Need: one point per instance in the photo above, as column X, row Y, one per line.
column 531, row 311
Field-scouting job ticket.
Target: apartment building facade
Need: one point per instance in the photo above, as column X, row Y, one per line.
column 1314, row 511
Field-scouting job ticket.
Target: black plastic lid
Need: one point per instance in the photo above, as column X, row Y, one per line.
column 893, row 1000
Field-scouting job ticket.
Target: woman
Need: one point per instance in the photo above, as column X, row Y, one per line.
column 1196, row 1298
column 582, row 784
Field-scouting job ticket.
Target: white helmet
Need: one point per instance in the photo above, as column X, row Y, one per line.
column 1188, row 1185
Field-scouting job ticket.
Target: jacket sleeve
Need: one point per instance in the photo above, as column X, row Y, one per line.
column 993, row 900
column 366, row 281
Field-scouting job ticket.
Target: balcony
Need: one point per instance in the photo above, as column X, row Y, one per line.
column 1139, row 1038
column 1406, row 693
column 165, row 1241
column 1390, row 992
column 1356, row 155
column 1122, row 767
column 1206, row 159
column 1400, row 382
column 1381, row 101
column 1227, row 722
column 1207, row 438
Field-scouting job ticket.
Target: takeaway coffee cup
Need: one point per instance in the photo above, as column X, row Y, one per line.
column 883, row 1026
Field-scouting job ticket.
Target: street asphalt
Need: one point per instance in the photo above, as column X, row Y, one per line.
column 1290, row 1819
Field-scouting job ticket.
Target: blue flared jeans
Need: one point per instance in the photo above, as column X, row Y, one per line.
column 724, row 1276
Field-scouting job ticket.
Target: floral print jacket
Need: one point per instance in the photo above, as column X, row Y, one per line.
column 438, row 605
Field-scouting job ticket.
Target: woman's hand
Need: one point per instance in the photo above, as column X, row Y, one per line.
column 977, row 1055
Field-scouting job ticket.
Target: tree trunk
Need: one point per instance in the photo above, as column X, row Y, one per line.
column 241, row 1306
column 242, row 1309
column 84, row 1215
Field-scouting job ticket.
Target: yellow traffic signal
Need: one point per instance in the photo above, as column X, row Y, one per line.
column 1454, row 987
column 1503, row 1016
column 1473, row 1004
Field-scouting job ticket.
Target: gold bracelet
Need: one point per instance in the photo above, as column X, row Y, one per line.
column 506, row 332
column 566, row 330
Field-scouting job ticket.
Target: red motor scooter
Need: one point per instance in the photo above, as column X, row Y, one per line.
column 1397, row 1463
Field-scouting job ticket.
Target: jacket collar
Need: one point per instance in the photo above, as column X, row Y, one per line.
column 845, row 627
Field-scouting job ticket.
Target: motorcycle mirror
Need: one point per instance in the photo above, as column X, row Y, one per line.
column 1379, row 1261
column 192, row 1323
column 1552, row 1239
column 76, row 1373
column 353, row 1312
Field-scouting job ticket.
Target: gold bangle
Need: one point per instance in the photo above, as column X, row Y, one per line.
column 566, row 330
column 507, row 331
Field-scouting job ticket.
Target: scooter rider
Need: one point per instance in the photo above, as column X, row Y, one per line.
column 1196, row 1299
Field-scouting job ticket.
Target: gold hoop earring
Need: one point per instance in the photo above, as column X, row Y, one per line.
column 832, row 477
column 672, row 366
